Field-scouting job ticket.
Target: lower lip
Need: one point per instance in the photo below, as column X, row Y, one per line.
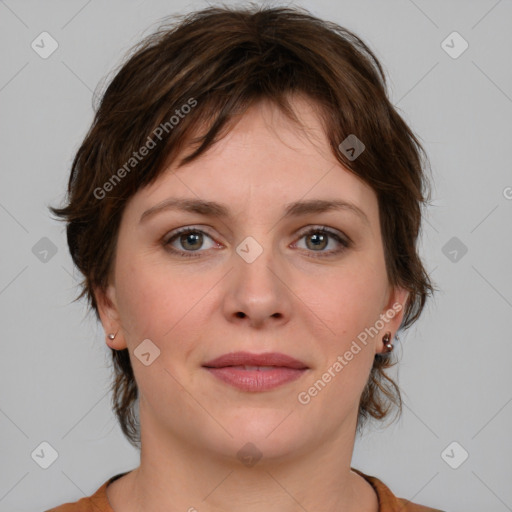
column 256, row 380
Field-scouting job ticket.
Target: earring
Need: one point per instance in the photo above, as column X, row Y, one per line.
column 387, row 341
column 111, row 336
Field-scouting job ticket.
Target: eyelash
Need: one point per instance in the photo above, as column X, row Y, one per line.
column 346, row 243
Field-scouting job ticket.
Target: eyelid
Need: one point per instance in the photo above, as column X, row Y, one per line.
column 343, row 240
column 339, row 236
column 325, row 229
column 175, row 233
column 185, row 229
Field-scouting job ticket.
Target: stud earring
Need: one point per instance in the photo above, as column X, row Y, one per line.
column 387, row 341
column 111, row 336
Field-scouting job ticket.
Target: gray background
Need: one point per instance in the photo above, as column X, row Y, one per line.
column 455, row 363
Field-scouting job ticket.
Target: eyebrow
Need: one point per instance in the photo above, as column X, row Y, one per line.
column 217, row 210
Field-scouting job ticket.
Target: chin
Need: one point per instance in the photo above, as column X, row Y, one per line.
column 268, row 436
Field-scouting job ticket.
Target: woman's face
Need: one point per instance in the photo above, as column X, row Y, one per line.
column 262, row 278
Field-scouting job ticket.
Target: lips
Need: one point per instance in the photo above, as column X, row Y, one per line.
column 256, row 372
column 247, row 359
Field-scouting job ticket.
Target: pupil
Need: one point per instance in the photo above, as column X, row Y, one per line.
column 191, row 237
column 318, row 239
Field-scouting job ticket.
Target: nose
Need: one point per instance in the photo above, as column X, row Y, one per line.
column 257, row 293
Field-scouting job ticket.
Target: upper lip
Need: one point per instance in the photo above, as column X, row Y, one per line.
column 248, row 359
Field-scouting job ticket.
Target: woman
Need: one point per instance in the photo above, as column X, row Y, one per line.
column 245, row 210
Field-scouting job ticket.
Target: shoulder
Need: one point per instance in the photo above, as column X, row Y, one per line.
column 407, row 506
column 97, row 502
column 388, row 502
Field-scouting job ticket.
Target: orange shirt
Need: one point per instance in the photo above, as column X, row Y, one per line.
column 388, row 502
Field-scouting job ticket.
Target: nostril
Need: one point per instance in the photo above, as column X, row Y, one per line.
column 240, row 314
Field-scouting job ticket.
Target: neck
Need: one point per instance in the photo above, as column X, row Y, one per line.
column 176, row 475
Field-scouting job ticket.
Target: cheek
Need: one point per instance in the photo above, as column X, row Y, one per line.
column 347, row 300
column 154, row 306
column 143, row 298
column 350, row 306
column 160, row 303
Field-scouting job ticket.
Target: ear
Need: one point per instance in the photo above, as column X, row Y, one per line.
column 392, row 314
column 109, row 315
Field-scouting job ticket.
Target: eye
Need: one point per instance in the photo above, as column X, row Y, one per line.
column 190, row 239
column 318, row 238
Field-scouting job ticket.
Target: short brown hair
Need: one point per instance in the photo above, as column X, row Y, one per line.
column 222, row 60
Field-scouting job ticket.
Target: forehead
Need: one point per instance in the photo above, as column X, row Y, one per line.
column 264, row 161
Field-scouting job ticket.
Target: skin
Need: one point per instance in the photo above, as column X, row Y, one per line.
column 312, row 308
